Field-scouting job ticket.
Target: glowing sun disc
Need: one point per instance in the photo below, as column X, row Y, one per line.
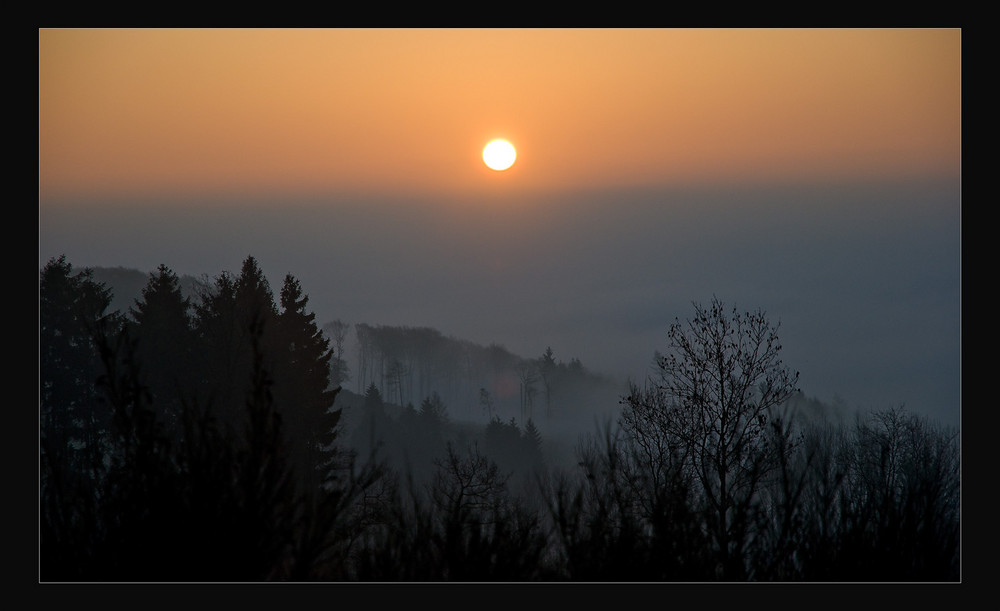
column 499, row 155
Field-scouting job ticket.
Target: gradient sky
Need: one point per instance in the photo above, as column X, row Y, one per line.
column 409, row 110
column 812, row 172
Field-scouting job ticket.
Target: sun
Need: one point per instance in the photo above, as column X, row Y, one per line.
column 499, row 154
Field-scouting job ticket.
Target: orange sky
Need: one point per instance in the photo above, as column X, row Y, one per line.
column 125, row 111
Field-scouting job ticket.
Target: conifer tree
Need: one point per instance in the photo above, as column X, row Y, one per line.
column 234, row 312
column 72, row 313
column 302, row 382
column 433, row 410
column 373, row 423
column 532, row 442
column 163, row 330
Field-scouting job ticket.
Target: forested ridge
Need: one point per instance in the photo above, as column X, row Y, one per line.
column 220, row 433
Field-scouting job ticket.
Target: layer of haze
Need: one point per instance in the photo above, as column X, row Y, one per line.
column 811, row 173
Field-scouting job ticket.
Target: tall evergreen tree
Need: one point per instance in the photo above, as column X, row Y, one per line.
column 72, row 312
column 302, row 382
column 163, row 330
column 234, row 312
column 294, row 350
column 219, row 358
column 254, row 298
column 75, row 424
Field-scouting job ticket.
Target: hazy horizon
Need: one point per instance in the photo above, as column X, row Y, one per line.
column 868, row 298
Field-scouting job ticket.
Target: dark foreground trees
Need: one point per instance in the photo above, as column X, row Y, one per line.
column 713, row 445
column 199, row 442
column 165, row 451
column 72, row 309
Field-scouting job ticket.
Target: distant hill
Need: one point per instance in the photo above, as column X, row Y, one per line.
column 126, row 285
column 408, row 364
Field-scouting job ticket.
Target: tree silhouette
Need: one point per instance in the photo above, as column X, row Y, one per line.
column 527, row 375
column 229, row 315
column 339, row 370
column 163, row 330
column 899, row 503
column 75, row 426
column 373, row 423
column 711, row 408
column 212, row 504
column 72, row 312
column 302, row 379
column 531, row 441
column 547, row 369
column 433, row 410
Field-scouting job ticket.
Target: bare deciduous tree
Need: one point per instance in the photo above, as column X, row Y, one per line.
column 711, row 407
column 337, row 332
